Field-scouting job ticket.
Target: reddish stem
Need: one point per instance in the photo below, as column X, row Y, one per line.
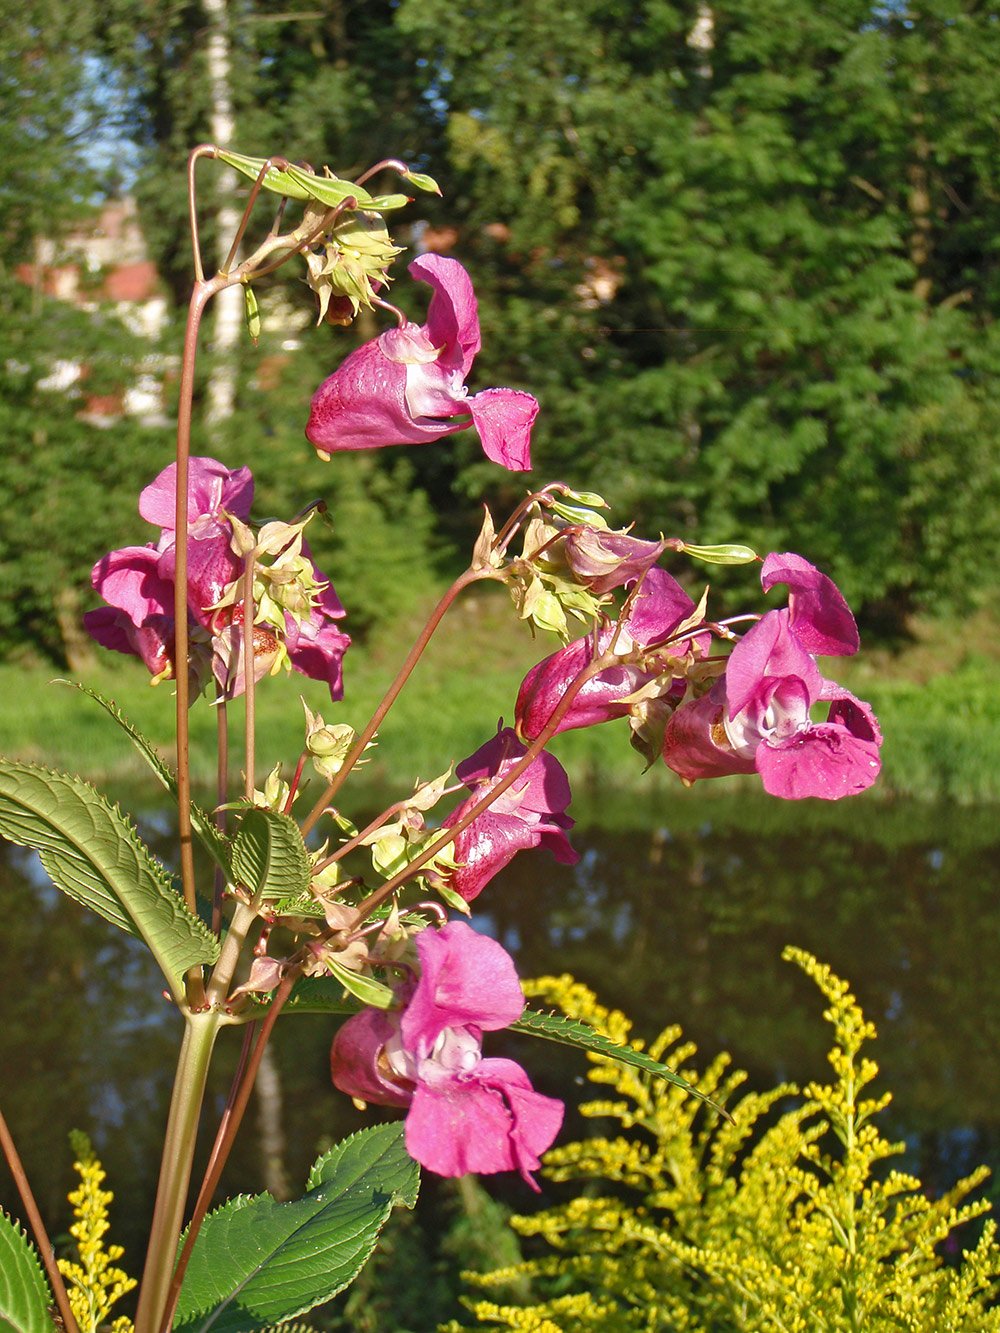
column 37, row 1227
column 390, row 696
column 374, row 900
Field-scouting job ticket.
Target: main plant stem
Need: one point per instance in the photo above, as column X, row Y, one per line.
column 200, row 1031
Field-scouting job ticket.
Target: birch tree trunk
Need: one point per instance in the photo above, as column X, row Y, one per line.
column 227, row 324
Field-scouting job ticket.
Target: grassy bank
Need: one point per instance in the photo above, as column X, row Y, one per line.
column 941, row 725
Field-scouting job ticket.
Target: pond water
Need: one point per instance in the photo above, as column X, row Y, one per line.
column 676, row 913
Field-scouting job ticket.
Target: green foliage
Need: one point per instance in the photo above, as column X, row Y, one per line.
column 790, row 1217
column 204, row 828
column 793, row 343
column 24, row 1294
column 269, row 856
column 94, row 854
column 257, row 1262
column 554, row 1027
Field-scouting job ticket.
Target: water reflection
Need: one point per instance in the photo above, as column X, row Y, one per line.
column 682, row 924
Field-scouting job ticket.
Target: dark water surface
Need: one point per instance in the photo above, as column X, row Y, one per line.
column 676, row 913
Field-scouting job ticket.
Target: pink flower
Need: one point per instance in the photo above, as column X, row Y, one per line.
column 137, row 583
column 661, row 605
column 466, row 1113
column 408, row 385
column 757, row 717
column 530, row 813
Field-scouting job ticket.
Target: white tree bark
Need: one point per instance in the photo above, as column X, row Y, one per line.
column 227, row 328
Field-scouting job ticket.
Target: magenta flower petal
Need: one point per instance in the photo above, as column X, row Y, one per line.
column 503, row 418
column 152, row 642
column 212, row 566
column 695, row 744
column 453, row 315
column 212, row 487
column 542, row 789
column 492, row 841
column 768, row 653
column 356, row 1063
column 819, row 615
column 130, row 580
column 465, row 978
column 491, row 1120
column 362, row 405
column 598, row 700
column 316, row 648
column 825, row 760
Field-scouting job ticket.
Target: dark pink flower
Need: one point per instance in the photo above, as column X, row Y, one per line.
column 466, row 1113
column 408, row 385
column 758, row 717
column 530, row 813
column 660, row 606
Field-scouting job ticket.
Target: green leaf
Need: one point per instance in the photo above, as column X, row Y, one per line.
column 269, row 855
column 203, row 825
column 257, row 1262
column 93, row 853
column 366, row 989
column 317, row 995
column 571, row 1032
column 24, row 1294
column 729, row 554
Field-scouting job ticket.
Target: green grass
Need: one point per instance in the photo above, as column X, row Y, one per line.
column 941, row 721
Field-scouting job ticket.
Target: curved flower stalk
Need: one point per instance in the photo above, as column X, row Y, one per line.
column 465, row 1112
column 757, row 716
column 408, row 385
column 530, row 813
column 296, row 609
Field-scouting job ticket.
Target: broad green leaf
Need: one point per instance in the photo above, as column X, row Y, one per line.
column 92, row 852
column 571, row 1032
column 729, row 554
column 269, row 855
column 257, row 1262
column 24, row 1294
column 204, row 826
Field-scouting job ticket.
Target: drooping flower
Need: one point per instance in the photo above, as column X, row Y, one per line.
column 757, row 717
column 137, row 583
column 660, row 606
column 602, row 559
column 466, row 1112
column 530, row 813
column 407, row 386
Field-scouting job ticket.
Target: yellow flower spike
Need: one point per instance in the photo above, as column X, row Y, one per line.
column 95, row 1284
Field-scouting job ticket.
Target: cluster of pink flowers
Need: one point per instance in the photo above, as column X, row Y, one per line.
column 137, row 583
column 703, row 716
